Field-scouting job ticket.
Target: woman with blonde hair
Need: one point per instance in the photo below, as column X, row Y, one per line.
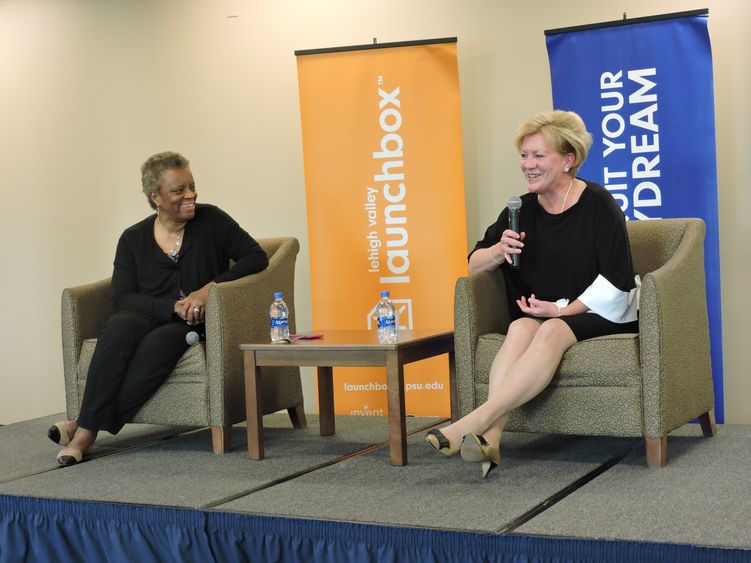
column 575, row 279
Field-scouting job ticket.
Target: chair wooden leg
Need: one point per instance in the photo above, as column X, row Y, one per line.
column 221, row 439
column 708, row 424
column 297, row 416
column 657, row 449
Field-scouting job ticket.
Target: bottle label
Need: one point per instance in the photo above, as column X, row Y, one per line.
column 279, row 323
column 386, row 322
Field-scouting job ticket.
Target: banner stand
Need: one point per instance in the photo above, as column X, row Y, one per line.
column 384, row 184
column 644, row 87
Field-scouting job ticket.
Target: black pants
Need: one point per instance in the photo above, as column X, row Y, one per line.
column 134, row 354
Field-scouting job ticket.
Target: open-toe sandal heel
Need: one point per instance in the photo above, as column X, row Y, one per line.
column 440, row 443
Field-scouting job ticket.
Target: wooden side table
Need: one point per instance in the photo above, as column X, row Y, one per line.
column 346, row 348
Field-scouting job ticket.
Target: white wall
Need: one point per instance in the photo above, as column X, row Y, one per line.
column 90, row 88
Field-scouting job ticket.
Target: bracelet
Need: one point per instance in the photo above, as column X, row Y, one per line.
column 561, row 303
column 493, row 258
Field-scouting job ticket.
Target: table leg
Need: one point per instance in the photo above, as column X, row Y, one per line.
column 453, row 394
column 253, row 405
column 397, row 419
column 326, row 400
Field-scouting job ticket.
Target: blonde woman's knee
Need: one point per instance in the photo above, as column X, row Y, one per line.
column 523, row 326
column 555, row 332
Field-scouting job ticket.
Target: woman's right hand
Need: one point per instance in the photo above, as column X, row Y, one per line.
column 181, row 308
column 493, row 256
column 511, row 243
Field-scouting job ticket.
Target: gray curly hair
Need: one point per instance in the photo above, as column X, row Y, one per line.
column 152, row 169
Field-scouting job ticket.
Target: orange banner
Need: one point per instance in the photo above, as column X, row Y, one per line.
column 384, row 177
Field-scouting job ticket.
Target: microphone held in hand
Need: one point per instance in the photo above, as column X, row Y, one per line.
column 514, row 205
column 193, row 338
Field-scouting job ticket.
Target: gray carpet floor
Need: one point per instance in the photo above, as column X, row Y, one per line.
column 563, row 486
column 433, row 491
column 25, row 448
column 172, row 469
column 701, row 497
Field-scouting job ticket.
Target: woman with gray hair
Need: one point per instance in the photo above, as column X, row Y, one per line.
column 163, row 268
column 574, row 279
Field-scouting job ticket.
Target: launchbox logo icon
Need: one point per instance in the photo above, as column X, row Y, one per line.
column 403, row 315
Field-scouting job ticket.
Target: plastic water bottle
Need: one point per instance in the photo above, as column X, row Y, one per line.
column 279, row 319
column 388, row 332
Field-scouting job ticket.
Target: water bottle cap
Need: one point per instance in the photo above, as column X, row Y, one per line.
column 278, row 295
column 385, row 294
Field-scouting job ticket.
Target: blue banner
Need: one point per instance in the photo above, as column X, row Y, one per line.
column 645, row 90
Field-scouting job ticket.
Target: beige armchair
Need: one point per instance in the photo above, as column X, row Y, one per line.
column 620, row 385
column 207, row 386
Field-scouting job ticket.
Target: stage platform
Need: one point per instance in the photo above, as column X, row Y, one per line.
column 157, row 493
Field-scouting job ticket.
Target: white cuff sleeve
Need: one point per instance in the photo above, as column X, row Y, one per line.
column 606, row 300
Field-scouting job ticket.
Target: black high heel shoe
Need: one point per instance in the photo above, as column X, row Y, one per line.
column 440, row 443
column 58, row 433
column 476, row 448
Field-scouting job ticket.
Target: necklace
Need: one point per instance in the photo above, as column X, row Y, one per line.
column 571, row 183
column 159, row 228
column 176, row 249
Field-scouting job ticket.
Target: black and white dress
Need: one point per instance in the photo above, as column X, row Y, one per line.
column 582, row 253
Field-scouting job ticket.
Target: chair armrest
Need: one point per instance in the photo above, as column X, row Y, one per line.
column 674, row 337
column 237, row 312
column 480, row 307
column 84, row 311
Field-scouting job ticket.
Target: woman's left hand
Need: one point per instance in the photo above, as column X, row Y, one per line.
column 537, row 307
column 196, row 305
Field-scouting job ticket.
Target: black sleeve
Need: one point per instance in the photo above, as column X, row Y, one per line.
column 492, row 233
column 125, row 288
column 612, row 246
column 247, row 254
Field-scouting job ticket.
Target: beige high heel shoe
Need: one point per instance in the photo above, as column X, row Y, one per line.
column 69, row 456
column 476, row 448
column 440, row 443
column 59, row 434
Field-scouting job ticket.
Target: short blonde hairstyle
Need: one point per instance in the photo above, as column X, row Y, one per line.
column 152, row 169
column 563, row 130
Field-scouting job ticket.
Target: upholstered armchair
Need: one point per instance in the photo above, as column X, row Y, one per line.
column 207, row 385
column 621, row 385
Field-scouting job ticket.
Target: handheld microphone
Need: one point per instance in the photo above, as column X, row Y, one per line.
column 193, row 338
column 514, row 205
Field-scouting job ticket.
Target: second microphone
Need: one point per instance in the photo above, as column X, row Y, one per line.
column 514, row 205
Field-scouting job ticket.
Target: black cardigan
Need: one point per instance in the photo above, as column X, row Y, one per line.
column 145, row 280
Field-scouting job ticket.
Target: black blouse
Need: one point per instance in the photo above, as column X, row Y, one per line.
column 145, row 280
column 564, row 254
